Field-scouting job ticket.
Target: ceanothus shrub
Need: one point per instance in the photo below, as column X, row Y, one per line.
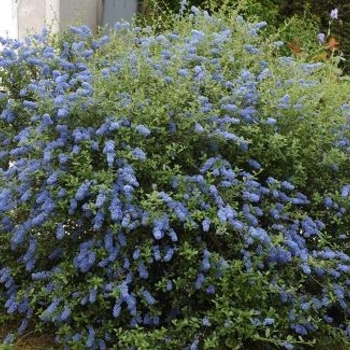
column 178, row 190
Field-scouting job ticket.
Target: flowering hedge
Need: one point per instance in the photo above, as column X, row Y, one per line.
column 182, row 190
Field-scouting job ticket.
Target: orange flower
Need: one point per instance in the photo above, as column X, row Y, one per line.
column 294, row 48
column 332, row 43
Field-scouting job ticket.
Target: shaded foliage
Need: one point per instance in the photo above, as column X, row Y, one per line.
column 181, row 189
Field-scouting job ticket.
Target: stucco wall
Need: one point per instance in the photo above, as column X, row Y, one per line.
column 30, row 16
column 80, row 11
column 8, row 22
column 115, row 10
column 33, row 15
column 22, row 17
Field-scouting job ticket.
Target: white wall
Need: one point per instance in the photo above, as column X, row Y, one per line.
column 18, row 18
column 8, row 23
column 70, row 12
column 116, row 10
column 31, row 16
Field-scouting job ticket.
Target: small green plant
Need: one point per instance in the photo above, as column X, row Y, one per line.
column 6, row 347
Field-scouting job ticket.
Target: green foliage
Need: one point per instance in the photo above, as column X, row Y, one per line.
column 179, row 186
column 297, row 22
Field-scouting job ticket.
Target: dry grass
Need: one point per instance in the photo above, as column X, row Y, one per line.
column 28, row 341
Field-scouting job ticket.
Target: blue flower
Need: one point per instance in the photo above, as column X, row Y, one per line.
column 92, row 295
column 62, row 112
column 254, row 164
column 30, row 105
column 321, row 37
column 83, row 191
column 172, row 234
column 194, row 345
column 98, row 220
column 251, row 49
column 286, row 185
column 183, row 72
column 284, row 102
column 142, row 270
column 53, row 178
column 65, row 314
column 205, row 263
column 268, row 321
column 121, row 239
column 138, row 153
column 148, row 297
column 26, row 195
column 206, row 225
column 39, row 219
column 287, row 345
column 91, row 337
column 116, row 310
column 11, row 305
column 52, row 307
column 108, row 150
column 205, row 321
column 306, row 269
column 83, row 31
column 168, row 255
column 156, row 253
column 300, row 329
column 260, row 234
column 211, row 289
column 251, row 197
column 9, row 339
column 115, row 209
column 73, row 206
column 199, row 281
column 23, row 326
column 136, row 254
column 237, row 225
column 60, row 232
column 221, row 37
column 334, row 14
column 143, row 130
column 100, row 200
column 169, row 285
column 160, row 225
column 131, row 302
column 345, row 191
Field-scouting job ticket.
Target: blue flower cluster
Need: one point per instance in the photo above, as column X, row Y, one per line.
column 150, row 182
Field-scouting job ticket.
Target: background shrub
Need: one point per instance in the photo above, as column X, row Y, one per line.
column 297, row 22
column 176, row 190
